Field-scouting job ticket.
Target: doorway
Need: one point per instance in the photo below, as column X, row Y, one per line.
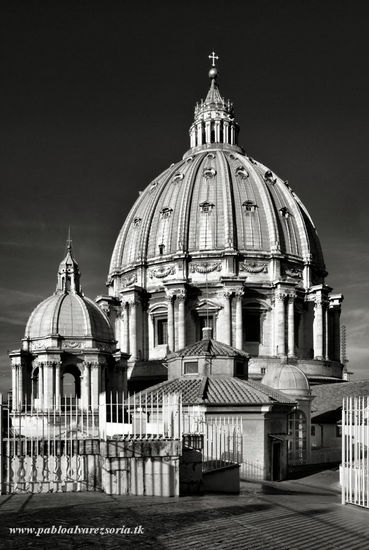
column 276, row 461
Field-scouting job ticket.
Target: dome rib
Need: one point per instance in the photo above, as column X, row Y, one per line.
column 267, row 204
column 228, row 198
column 184, row 227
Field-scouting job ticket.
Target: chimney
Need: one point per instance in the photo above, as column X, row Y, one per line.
column 207, row 333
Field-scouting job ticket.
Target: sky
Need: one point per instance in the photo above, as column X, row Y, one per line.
column 97, row 98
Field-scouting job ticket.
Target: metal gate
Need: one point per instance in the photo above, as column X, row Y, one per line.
column 355, row 456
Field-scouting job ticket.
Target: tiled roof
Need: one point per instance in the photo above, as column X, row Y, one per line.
column 208, row 347
column 217, row 390
column 328, row 397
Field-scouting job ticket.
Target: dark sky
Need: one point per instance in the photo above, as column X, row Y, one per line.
column 97, row 98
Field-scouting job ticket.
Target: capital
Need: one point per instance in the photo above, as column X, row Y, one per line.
column 239, row 292
column 280, row 296
column 227, row 292
column 132, row 302
column 181, row 295
column 170, row 294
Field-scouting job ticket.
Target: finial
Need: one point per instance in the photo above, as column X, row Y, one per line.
column 213, row 73
column 69, row 241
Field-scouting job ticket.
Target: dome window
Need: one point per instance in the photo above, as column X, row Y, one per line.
column 242, row 172
column 249, row 206
column 268, row 176
column 165, row 213
column 253, row 161
column 161, row 249
column 209, row 173
column 285, row 212
column 206, row 207
column 153, row 186
column 190, row 159
column 210, row 156
column 137, row 222
column 178, row 177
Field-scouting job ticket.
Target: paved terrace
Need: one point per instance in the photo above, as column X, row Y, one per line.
column 295, row 515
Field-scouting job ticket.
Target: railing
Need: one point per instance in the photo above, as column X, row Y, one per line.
column 355, row 455
column 222, row 437
column 61, row 420
column 140, row 416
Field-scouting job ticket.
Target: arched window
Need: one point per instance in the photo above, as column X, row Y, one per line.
column 297, row 442
column 71, row 386
column 35, row 383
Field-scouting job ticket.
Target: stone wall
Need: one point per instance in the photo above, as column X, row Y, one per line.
column 140, row 467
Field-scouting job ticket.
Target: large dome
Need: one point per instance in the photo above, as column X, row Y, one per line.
column 219, row 240
column 217, row 199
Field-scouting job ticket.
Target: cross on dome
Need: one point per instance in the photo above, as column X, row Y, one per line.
column 213, row 57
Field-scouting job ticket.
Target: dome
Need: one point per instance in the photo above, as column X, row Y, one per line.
column 215, row 200
column 287, row 379
column 219, row 239
column 68, row 315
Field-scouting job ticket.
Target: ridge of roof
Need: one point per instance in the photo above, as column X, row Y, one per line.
column 208, row 346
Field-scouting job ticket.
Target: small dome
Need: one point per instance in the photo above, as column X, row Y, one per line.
column 287, row 379
column 68, row 312
column 69, row 315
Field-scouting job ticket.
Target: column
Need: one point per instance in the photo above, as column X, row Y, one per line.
column 232, row 134
column 124, row 332
column 151, row 334
column 20, row 386
column 41, row 386
column 85, row 390
column 318, row 327
column 326, row 332
column 207, row 131
column 217, row 131
column 95, row 387
column 227, row 293
column 133, row 329
column 199, row 134
column 279, row 312
column 14, row 388
column 225, row 132
column 193, row 137
column 170, row 297
column 291, row 325
column 239, row 327
column 181, row 297
column 57, row 386
column 336, row 333
column 46, row 386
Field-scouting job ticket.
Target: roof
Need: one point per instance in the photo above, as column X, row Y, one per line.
column 328, row 397
column 208, row 347
column 217, row 390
